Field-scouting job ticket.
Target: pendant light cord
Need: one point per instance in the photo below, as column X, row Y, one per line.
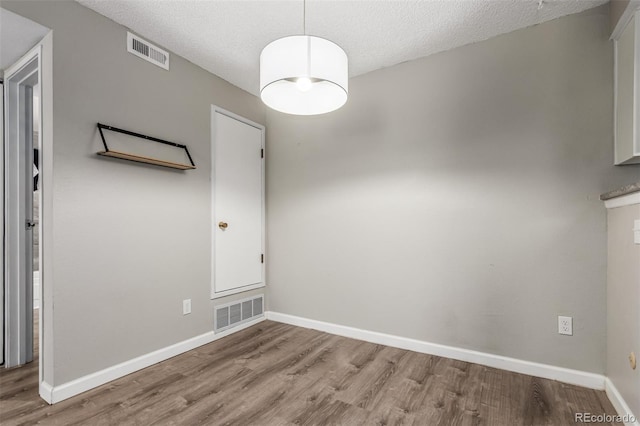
column 304, row 30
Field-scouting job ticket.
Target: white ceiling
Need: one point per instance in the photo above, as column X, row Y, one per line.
column 17, row 36
column 226, row 37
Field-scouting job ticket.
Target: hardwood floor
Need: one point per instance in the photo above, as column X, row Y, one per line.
column 277, row 374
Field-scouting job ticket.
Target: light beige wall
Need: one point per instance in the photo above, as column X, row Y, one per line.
column 623, row 303
column 454, row 199
column 131, row 241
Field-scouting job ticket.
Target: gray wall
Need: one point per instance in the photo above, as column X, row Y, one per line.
column 616, row 9
column 623, row 304
column 454, row 199
column 130, row 241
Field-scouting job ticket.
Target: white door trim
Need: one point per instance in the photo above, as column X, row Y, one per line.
column 18, row 278
column 44, row 50
column 626, row 16
column 217, row 110
column 2, row 232
column 45, row 331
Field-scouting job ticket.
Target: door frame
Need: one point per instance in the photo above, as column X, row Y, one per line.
column 43, row 51
column 2, row 232
column 20, row 79
column 217, row 110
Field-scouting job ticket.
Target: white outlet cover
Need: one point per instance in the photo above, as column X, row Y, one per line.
column 565, row 325
column 186, row 306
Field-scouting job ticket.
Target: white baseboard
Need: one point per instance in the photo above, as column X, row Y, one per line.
column 59, row 393
column 566, row 375
column 619, row 403
column 46, row 391
column 85, row 383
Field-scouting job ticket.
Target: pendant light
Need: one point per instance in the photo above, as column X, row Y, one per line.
column 303, row 74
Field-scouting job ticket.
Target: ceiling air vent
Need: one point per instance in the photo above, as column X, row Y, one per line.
column 147, row 51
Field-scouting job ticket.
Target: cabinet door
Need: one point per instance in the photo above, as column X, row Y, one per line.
column 627, row 96
column 238, row 204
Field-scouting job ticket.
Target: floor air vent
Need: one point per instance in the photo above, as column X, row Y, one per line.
column 238, row 312
column 147, row 51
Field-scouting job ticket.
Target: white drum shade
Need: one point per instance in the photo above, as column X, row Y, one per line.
column 304, row 75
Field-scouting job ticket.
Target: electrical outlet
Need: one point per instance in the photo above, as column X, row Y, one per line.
column 186, row 306
column 565, row 325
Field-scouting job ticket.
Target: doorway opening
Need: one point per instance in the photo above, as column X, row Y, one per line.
column 35, row 215
column 25, row 201
column 21, row 125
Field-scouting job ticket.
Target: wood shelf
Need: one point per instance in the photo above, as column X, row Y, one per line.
column 148, row 160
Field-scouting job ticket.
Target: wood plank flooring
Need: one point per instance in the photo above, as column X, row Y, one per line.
column 277, row 374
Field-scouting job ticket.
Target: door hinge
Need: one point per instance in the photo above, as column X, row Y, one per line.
column 262, row 258
column 262, row 153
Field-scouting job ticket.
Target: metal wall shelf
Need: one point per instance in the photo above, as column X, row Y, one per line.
column 141, row 159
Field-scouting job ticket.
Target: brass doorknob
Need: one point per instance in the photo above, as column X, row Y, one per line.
column 223, row 225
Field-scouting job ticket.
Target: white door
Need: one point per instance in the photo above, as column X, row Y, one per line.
column 238, row 203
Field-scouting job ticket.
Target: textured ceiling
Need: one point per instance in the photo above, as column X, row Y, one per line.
column 226, row 37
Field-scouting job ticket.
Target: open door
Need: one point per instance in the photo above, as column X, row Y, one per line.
column 20, row 80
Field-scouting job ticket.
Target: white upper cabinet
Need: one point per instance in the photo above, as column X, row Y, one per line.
column 627, row 92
